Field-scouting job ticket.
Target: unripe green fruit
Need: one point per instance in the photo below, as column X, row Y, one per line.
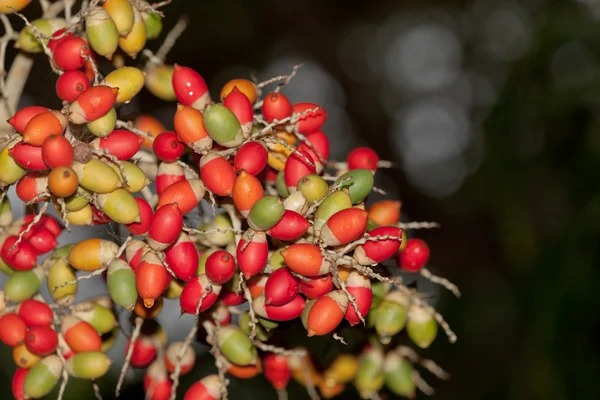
column 88, row 365
column 134, row 176
column 154, row 25
column 202, row 260
column 370, row 377
column 422, row 327
column 244, row 322
column 268, row 324
column 159, row 82
column 280, row 185
column 121, row 284
column 222, row 238
column 77, row 201
column 100, row 318
column 276, row 259
column 43, row 377
column 6, row 215
column 359, row 184
column 129, row 81
column 399, row 375
column 97, row 176
column 313, row 187
column 23, row 285
column 27, row 40
column 222, row 125
column 102, row 32
column 235, row 346
column 390, row 316
column 266, row 213
column 103, row 126
column 120, row 206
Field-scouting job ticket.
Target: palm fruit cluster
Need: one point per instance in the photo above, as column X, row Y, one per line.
column 292, row 242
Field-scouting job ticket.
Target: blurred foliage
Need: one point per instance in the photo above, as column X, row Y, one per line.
column 521, row 237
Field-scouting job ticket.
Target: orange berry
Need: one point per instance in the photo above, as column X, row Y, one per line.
column 63, row 181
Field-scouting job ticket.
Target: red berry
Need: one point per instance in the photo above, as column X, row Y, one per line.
column 220, row 267
column 167, row 147
column 67, row 53
column 41, row 340
column 363, row 157
column 70, row 85
column 276, row 106
column 414, row 256
column 57, row 151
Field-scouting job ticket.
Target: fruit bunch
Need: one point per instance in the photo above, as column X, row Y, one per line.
column 292, row 240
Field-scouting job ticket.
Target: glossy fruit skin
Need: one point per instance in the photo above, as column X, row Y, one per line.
column 276, row 106
column 43, row 125
column 277, row 370
column 121, row 143
column 326, row 313
column 241, row 107
column 121, row 12
column 151, row 278
column 306, row 259
column 319, row 151
column 92, row 104
column 287, row 312
column 22, row 258
column 146, row 216
column 247, row 190
column 22, row 117
column 168, row 173
column 223, row 126
column 243, row 85
column 362, row 157
column 80, row 335
column 217, row 174
column 208, row 388
column 235, row 346
column 67, row 53
column 189, row 125
column 167, row 147
column 251, row 157
column 358, row 286
column 414, row 256
column 88, row 365
column 41, row 340
column 193, row 291
column 63, row 181
column 129, row 81
column 12, row 329
column 373, row 252
column 28, row 156
column 35, row 313
column 252, row 259
column 186, row 194
column 71, row 84
column 121, row 284
column 290, row 227
column 182, row 257
column 317, row 287
column 281, row 287
column 359, row 183
column 57, row 151
column 312, row 121
column 30, row 186
column 220, row 267
column 190, row 88
column 165, row 227
column 296, row 168
column 344, row 226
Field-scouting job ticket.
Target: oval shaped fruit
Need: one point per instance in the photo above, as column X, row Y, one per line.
column 57, row 151
column 88, row 365
column 12, row 329
column 43, row 377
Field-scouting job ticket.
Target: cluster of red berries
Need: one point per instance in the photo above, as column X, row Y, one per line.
column 292, row 236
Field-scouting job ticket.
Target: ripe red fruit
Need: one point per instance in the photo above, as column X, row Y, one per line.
column 217, row 174
column 276, row 106
column 320, row 142
column 252, row 258
column 251, row 157
column 167, row 147
column 60, row 34
column 220, row 267
column 41, row 340
column 296, row 168
column 276, row 370
column 311, row 121
column 168, row 174
column 193, row 291
column 70, row 85
column 182, row 257
column 165, row 227
column 281, row 287
column 287, row 312
column 316, row 287
column 414, row 256
column 28, row 156
column 18, row 383
column 57, row 151
column 43, row 240
column 373, row 252
column 35, row 313
column 67, row 53
column 22, row 117
column 144, row 352
column 290, row 227
column 12, row 329
column 363, row 157
column 121, row 143
column 190, row 88
column 23, row 257
column 146, row 215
